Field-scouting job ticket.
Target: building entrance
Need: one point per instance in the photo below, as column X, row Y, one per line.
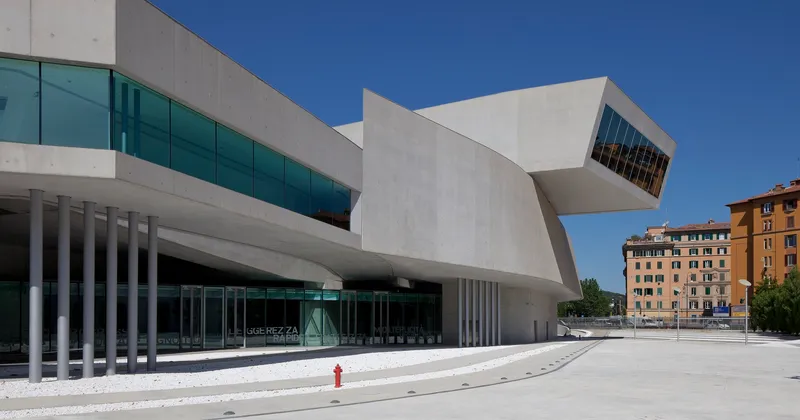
column 235, row 317
column 191, row 318
column 380, row 310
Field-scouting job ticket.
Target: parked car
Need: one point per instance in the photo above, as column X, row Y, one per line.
column 717, row 325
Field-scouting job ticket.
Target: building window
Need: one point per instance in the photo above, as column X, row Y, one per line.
column 708, row 236
column 676, row 252
column 722, row 303
column 675, row 238
column 789, row 222
column 659, row 253
column 659, row 278
column 708, row 291
column 722, row 291
column 766, row 208
column 693, row 305
column 638, row 266
column 767, row 225
column 722, row 251
column 721, row 263
column 708, row 277
column 789, row 205
column 706, row 304
column 647, row 305
column 721, row 276
column 637, row 278
column 660, row 305
column 790, row 241
column 19, row 84
column 621, row 148
column 708, row 251
column 676, row 277
column 707, row 264
column 658, row 265
column 637, row 291
column 658, row 292
column 693, row 251
column 693, row 237
column 648, row 278
column 767, row 243
column 693, row 277
column 676, row 264
column 674, row 304
column 648, row 291
column 638, row 305
column 791, row 260
column 767, row 261
column 647, row 265
column 723, row 235
column 141, row 125
column 693, row 264
column 693, row 291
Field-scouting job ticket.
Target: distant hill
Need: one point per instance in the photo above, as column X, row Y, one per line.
column 614, row 296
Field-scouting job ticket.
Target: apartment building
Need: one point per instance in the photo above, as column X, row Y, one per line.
column 695, row 258
column 764, row 233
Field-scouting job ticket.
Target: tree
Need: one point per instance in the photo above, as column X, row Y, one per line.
column 636, row 238
column 777, row 307
column 593, row 304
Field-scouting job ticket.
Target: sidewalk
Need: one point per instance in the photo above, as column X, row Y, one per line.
column 306, row 389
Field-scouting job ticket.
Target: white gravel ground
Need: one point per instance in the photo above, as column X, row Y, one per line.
column 96, row 408
column 246, row 370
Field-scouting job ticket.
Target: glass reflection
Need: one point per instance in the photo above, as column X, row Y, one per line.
column 19, row 101
column 621, row 148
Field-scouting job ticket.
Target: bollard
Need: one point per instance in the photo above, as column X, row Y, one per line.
column 337, row 376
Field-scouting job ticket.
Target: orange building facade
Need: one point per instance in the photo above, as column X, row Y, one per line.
column 764, row 235
column 695, row 258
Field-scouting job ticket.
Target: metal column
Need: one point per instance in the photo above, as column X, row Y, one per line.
column 35, row 307
column 133, row 290
column 460, row 312
column 111, row 291
column 63, row 289
column 152, row 291
column 88, row 289
column 466, row 313
column 488, row 317
column 475, row 285
column 491, row 314
column 499, row 316
column 481, row 314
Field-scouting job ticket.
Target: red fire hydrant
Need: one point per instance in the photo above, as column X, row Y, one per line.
column 338, row 376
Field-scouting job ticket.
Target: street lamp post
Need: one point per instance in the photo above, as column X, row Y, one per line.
column 677, row 291
column 746, row 285
column 635, row 295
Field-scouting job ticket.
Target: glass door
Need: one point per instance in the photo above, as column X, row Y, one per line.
column 380, row 317
column 234, row 317
column 191, row 316
column 213, row 317
column 349, row 318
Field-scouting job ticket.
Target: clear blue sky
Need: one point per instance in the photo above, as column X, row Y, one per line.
column 721, row 77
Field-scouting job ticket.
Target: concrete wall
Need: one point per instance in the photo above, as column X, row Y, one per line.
column 520, row 307
column 433, row 194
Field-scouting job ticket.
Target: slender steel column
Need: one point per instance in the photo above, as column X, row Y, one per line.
column 475, row 285
column 460, row 312
column 490, row 309
column 466, row 313
column 35, row 307
column 488, row 317
column 481, row 314
column 63, row 288
column 152, row 291
column 499, row 316
column 111, row 291
column 133, row 290
column 88, row 289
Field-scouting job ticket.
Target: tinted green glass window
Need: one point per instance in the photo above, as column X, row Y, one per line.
column 193, row 143
column 341, row 206
column 322, row 198
column 298, row 186
column 602, row 131
column 141, row 121
column 19, row 101
column 75, row 106
column 234, row 161
column 269, row 175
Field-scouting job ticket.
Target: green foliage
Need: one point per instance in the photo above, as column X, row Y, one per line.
column 776, row 307
column 636, row 238
column 595, row 303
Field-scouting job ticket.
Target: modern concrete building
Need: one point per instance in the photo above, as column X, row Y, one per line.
column 155, row 192
column 695, row 257
column 764, row 236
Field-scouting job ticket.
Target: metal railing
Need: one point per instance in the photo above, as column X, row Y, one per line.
column 628, row 322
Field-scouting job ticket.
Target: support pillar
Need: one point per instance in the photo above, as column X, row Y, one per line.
column 88, row 289
column 460, row 312
column 133, row 290
column 152, row 291
column 467, row 336
column 111, row 291
column 499, row 316
column 62, row 336
column 475, row 313
column 35, row 307
column 481, row 314
column 490, row 309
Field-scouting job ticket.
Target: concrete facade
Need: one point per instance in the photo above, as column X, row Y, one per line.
column 462, row 194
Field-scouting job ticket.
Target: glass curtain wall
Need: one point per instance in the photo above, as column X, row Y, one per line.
column 203, row 317
column 62, row 105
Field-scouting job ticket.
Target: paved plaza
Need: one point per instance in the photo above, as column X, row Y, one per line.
column 617, row 378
